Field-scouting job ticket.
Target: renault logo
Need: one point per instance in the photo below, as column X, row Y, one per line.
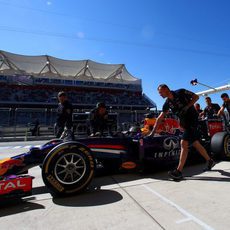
column 171, row 143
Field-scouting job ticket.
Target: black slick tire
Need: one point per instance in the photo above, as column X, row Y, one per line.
column 220, row 145
column 68, row 169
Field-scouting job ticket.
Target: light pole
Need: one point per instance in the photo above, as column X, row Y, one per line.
column 211, row 89
column 195, row 82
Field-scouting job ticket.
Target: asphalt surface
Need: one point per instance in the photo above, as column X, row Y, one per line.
column 125, row 201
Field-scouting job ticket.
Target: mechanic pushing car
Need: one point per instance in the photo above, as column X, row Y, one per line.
column 181, row 102
column 64, row 116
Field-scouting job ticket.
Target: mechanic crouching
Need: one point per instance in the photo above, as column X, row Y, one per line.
column 98, row 120
column 64, row 122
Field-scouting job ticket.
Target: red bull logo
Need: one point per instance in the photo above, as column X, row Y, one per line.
column 8, row 163
column 168, row 125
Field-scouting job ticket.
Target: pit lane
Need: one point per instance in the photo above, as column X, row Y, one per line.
column 125, row 201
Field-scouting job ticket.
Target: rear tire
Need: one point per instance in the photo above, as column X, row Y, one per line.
column 220, row 145
column 68, row 169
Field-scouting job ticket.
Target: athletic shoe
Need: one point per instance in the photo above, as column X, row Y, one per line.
column 210, row 164
column 175, row 174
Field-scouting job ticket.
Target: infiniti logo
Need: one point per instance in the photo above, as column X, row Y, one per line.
column 171, row 143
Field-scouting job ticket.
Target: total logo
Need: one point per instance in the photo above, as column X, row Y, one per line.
column 171, row 143
column 11, row 185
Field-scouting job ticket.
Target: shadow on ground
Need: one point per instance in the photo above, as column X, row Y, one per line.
column 90, row 198
column 15, row 206
column 98, row 194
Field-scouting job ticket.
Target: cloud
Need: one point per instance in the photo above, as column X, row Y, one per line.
column 101, row 54
column 147, row 32
column 48, row 3
column 80, row 34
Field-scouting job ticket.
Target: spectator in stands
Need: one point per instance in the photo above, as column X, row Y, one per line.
column 98, row 119
column 211, row 110
column 64, row 122
column 225, row 105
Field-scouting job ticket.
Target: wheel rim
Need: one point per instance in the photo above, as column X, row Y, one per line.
column 70, row 168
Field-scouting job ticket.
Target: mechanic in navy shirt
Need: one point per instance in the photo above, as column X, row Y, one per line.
column 64, row 114
column 211, row 110
column 98, row 120
column 226, row 105
column 181, row 102
column 197, row 108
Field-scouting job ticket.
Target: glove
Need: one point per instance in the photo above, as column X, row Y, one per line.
column 67, row 134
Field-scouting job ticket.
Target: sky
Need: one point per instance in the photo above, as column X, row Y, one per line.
column 159, row 41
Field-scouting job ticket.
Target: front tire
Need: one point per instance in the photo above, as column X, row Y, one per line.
column 68, row 169
column 220, row 145
column 53, row 142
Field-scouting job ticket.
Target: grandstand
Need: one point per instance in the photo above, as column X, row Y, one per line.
column 29, row 87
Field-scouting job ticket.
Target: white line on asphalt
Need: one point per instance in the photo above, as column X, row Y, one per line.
column 183, row 211
column 5, row 147
column 19, row 147
column 183, row 220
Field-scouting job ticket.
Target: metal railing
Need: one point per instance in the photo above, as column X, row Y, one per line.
column 16, row 122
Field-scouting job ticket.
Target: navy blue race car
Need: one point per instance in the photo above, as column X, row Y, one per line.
column 69, row 166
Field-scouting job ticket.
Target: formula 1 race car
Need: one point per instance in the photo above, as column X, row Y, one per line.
column 69, row 166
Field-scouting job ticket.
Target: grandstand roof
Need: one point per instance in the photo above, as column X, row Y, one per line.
column 52, row 67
